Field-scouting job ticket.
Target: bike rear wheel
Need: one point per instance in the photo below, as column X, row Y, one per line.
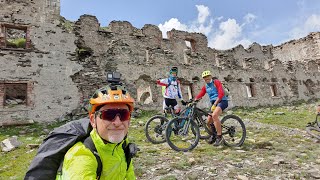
column 313, row 131
column 182, row 134
column 233, row 130
column 155, row 129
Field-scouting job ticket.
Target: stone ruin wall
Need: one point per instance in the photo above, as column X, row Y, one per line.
column 45, row 66
column 62, row 68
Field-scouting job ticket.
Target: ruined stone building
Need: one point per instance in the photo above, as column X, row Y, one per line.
column 49, row 66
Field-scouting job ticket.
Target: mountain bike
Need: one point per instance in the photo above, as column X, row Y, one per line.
column 313, row 128
column 156, row 125
column 186, row 132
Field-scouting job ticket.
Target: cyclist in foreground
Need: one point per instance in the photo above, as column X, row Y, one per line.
column 219, row 102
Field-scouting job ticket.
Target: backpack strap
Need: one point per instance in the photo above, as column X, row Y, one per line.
column 179, row 95
column 126, row 152
column 130, row 151
column 90, row 145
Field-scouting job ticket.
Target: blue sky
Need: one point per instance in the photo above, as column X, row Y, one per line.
column 226, row 23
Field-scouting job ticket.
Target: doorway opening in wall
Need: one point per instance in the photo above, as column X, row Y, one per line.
column 251, row 92
column 15, row 37
column 145, row 98
column 15, row 94
column 274, row 91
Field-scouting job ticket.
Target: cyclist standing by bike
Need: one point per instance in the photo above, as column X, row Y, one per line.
column 171, row 90
column 219, row 101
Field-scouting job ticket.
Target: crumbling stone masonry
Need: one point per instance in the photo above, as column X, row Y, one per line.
column 60, row 64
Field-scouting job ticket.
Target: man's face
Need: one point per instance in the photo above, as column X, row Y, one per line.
column 113, row 131
column 207, row 79
column 174, row 74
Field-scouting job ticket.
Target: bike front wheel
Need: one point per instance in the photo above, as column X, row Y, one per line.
column 233, row 130
column 313, row 131
column 182, row 134
column 155, row 129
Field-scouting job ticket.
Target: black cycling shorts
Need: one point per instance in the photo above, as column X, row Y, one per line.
column 170, row 102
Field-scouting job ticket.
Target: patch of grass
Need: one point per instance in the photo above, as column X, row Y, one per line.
column 139, row 171
column 14, row 164
column 182, row 164
column 16, row 43
column 161, row 171
column 293, row 117
column 66, row 24
column 192, row 176
column 105, row 28
column 170, row 177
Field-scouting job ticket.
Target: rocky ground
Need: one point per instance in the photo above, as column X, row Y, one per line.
column 276, row 147
column 270, row 152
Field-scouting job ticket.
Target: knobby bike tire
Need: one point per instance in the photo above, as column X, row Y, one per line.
column 313, row 131
column 228, row 136
column 169, row 132
column 159, row 129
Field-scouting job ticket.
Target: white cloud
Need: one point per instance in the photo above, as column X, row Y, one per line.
column 173, row 23
column 202, row 25
column 249, row 18
column 311, row 24
column 227, row 35
column 203, row 13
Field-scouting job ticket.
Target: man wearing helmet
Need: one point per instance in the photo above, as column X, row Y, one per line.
column 219, row 101
column 171, row 90
column 109, row 111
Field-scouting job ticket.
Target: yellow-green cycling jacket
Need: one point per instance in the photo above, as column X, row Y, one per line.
column 80, row 163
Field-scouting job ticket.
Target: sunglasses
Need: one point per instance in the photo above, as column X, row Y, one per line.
column 110, row 114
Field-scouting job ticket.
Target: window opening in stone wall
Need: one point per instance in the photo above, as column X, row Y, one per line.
column 15, row 94
column 274, row 91
column 15, row 37
column 240, row 80
column 51, row 3
column 147, row 55
column 250, row 90
column 190, row 43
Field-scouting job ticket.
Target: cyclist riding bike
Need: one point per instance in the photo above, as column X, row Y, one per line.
column 171, row 89
column 219, row 102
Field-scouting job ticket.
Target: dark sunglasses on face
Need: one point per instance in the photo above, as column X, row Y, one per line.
column 110, row 114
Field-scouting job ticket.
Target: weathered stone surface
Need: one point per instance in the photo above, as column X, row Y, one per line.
column 67, row 61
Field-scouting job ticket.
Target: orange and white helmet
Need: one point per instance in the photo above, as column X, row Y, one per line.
column 108, row 95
